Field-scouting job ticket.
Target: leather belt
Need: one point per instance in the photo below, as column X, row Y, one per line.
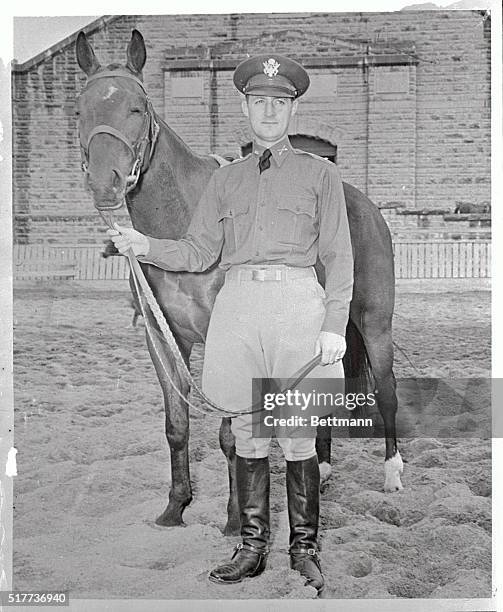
column 268, row 273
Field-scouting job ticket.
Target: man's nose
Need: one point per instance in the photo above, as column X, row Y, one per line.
column 269, row 108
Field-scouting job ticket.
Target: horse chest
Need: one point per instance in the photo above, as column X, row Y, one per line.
column 186, row 301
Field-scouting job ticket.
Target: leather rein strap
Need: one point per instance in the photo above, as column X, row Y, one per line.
column 147, row 299
column 138, row 150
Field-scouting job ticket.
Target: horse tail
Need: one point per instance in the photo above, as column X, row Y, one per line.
column 357, row 370
column 358, row 375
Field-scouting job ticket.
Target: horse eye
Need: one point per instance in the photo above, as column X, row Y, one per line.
column 137, row 110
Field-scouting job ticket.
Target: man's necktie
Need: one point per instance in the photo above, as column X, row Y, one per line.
column 264, row 160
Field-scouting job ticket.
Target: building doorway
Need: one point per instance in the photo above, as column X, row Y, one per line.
column 310, row 144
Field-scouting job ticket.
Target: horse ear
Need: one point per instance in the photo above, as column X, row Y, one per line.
column 136, row 52
column 85, row 55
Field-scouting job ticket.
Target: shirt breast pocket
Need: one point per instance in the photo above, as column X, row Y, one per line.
column 235, row 219
column 296, row 220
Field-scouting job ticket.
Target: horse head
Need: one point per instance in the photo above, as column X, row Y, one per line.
column 116, row 123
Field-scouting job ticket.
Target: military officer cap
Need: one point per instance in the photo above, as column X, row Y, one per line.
column 271, row 75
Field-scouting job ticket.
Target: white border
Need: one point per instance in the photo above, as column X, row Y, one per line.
column 93, row 7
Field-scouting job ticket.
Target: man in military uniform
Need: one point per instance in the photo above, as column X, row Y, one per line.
column 268, row 216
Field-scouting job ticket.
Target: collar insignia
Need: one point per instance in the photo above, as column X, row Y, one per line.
column 282, row 150
column 271, row 67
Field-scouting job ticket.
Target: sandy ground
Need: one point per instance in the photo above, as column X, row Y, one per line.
column 93, row 464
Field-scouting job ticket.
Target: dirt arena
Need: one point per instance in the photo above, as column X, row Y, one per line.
column 93, row 464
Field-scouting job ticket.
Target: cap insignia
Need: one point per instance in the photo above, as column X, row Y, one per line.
column 271, row 67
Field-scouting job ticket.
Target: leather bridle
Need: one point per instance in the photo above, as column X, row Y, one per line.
column 138, row 150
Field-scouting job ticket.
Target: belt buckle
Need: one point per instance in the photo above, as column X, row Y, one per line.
column 259, row 275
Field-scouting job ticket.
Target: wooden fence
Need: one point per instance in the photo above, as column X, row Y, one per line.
column 413, row 259
column 442, row 259
column 87, row 262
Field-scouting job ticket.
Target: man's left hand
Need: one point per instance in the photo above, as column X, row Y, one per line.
column 331, row 346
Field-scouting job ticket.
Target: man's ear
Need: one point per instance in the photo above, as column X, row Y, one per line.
column 295, row 105
column 244, row 107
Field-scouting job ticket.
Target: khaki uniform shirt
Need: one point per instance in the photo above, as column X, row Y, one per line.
column 289, row 214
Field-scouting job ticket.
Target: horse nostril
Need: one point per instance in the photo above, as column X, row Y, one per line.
column 117, row 180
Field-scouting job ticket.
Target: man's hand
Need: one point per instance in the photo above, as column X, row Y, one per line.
column 331, row 346
column 126, row 238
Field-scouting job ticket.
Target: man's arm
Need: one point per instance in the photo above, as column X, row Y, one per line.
column 196, row 251
column 335, row 251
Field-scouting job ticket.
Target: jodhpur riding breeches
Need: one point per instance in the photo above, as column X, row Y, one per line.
column 264, row 324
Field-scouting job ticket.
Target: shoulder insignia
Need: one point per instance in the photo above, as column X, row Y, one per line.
column 313, row 155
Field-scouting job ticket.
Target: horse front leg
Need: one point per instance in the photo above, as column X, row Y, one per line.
column 228, row 446
column 177, row 432
column 380, row 353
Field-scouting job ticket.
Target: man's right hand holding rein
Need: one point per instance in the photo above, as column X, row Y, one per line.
column 125, row 238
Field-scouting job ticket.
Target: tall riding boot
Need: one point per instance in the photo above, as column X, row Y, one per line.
column 303, row 490
column 249, row 558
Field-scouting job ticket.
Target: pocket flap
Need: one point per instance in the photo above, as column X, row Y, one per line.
column 233, row 210
column 299, row 205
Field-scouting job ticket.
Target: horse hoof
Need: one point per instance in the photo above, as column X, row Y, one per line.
column 169, row 519
column 168, row 523
column 392, row 488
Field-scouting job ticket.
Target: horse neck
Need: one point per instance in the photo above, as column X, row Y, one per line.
column 164, row 200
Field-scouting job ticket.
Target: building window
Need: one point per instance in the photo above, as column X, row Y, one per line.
column 183, row 86
column 392, row 79
column 322, row 86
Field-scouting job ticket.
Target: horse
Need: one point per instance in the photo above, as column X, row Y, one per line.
column 130, row 154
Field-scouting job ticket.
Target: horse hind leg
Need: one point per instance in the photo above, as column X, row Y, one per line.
column 379, row 347
column 228, row 446
column 387, row 404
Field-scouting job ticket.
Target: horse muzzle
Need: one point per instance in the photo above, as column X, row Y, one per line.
column 102, row 206
column 108, row 192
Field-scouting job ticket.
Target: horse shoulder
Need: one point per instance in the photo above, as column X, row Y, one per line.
column 230, row 167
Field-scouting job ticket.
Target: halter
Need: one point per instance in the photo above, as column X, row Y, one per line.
column 138, row 149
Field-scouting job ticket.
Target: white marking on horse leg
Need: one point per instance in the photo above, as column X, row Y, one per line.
column 110, row 92
column 392, row 469
column 325, row 471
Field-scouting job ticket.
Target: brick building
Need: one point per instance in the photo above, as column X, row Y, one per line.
column 401, row 102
